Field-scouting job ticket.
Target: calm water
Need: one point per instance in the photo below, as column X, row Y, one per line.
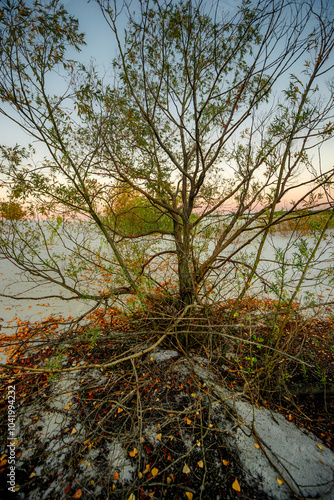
column 33, row 301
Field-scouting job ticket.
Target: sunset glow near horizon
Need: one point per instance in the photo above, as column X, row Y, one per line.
column 101, row 48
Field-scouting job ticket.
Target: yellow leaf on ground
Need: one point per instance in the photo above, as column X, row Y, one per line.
column 116, row 475
column 226, row 462
column 185, row 469
column 256, row 445
column 200, row 464
column 132, row 497
column 236, row 485
column 158, row 436
column 133, row 453
column 169, row 480
column 140, row 475
column 189, row 495
column 279, row 481
column 188, row 421
column 73, row 431
column 154, row 471
column 193, row 395
column 120, row 410
column 77, row 494
column 3, row 457
column 33, row 474
column 320, row 447
column 3, row 463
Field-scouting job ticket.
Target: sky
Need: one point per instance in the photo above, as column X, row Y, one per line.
column 101, row 48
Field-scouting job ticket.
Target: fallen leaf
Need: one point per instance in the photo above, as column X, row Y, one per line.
column 3, row 463
column 189, row 495
column 279, row 481
column 200, row 464
column 320, row 447
column 133, row 453
column 185, row 469
column 73, row 432
column 256, row 445
column 3, row 457
column 169, row 480
column 33, row 474
column 132, row 497
column 120, row 410
column 154, row 471
column 67, row 489
column 226, row 462
column 188, row 421
column 140, row 475
column 158, row 436
column 116, row 475
column 77, row 494
column 236, row 485
column 193, row 395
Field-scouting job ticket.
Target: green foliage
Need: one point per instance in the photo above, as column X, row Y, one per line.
column 132, row 214
column 11, row 210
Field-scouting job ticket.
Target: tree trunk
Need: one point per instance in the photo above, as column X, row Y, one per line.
column 187, row 289
column 186, row 284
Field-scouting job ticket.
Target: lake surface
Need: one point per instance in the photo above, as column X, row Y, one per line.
column 28, row 299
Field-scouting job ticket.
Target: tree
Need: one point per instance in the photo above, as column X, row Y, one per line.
column 151, row 190
column 195, row 122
